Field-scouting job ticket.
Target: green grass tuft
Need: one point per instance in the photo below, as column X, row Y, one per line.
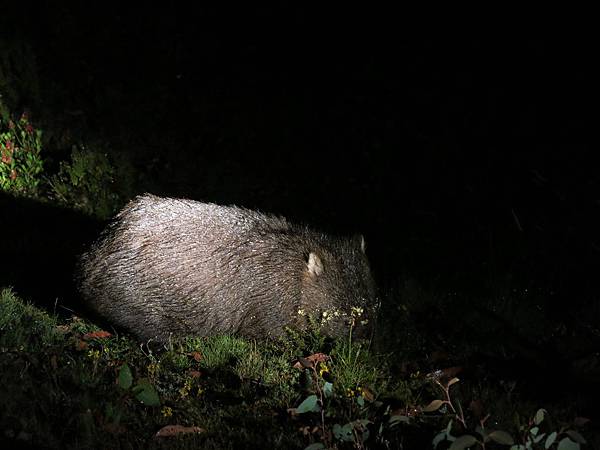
column 24, row 326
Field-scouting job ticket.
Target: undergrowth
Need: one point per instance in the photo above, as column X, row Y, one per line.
column 69, row 384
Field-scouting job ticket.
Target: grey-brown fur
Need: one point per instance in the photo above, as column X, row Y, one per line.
column 171, row 266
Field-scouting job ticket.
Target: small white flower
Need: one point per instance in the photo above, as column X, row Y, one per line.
column 357, row 311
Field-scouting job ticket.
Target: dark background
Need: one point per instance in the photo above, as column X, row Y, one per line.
column 465, row 159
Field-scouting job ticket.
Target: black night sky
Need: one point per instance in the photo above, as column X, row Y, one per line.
column 464, row 158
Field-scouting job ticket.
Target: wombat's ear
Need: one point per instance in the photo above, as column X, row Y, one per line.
column 314, row 265
column 360, row 241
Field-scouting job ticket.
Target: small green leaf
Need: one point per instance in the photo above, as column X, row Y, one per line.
column 538, row 438
column 113, row 414
column 539, row 416
column 576, row 436
column 361, row 401
column 463, row 442
column 550, row 440
column 315, row 446
column 534, row 431
column 144, row 391
column 568, row 444
column 438, row 438
column 433, row 406
column 343, row 433
column 501, row 437
column 125, row 378
column 308, row 405
column 365, row 435
column 328, row 389
column 394, row 420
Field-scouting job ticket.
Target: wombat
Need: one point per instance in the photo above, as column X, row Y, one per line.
column 178, row 267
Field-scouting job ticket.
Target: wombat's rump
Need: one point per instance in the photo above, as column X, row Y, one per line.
column 171, row 266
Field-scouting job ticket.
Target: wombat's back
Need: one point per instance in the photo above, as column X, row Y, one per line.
column 152, row 215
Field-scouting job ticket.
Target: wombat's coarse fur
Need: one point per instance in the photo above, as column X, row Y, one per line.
column 170, row 266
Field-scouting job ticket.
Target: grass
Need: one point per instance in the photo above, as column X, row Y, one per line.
column 68, row 384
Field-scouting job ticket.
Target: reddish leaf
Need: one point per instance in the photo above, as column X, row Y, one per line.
column 303, row 363
column 195, row 373
column 174, row 430
column 81, row 345
column 318, row 357
column 97, row 335
column 197, row 356
column 311, row 361
column 368, row 394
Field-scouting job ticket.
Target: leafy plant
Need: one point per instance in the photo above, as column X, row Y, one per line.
column 540, row 433
column 21, row 163
column 346, row 407
column 143, row 390
column 85, row 183
column 532, row 437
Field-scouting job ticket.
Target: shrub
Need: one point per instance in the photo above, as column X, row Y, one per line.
column 85, row 183
column 21, row 164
